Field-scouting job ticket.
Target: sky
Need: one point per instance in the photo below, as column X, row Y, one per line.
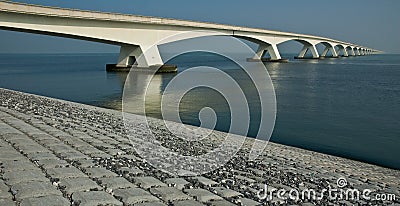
column 371, row 23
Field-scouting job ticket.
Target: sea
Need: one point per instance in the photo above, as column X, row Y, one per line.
column 347, row 107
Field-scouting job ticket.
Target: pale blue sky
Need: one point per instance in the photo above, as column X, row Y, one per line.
column 372, row 23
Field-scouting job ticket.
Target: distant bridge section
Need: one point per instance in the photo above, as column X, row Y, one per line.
column 136, row 34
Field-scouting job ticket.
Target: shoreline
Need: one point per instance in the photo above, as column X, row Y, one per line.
column 119, row 109
column 280, row 166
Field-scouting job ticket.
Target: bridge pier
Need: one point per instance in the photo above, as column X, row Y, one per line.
column 343, row 52
column 329, row 47
column 358, row 52
column 307, row 48
column 133, row 57
column 351, row 52
column 272, row 50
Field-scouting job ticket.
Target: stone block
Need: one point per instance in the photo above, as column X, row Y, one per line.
column 94, row 198
column 186, row 203
column 169, row 194
column 4, row 191
column 179, row 183
column 97, row 172
column 115, row 183
column 148, row 182
column 65, row 172
column 33, row 189
column 205, row 181
column 50, row 200
column 72, row 185
column 225, row 192
column 12, row 178
column 202, row 195
column 134, row 195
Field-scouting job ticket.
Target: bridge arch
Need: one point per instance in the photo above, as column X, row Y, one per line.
column 308, row 45
column 350, row 50
column 341, row 50
column 329, row 47
column 264, row 46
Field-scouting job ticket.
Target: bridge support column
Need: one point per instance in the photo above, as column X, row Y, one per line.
column 130, row 55
column 358, row 52
column 352, row 53
column 273, row 51
column 306, row 48
column 343, row 51
column 143, row 57
column 327, row 48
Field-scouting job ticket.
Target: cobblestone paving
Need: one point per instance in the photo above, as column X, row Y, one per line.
column 54, row 152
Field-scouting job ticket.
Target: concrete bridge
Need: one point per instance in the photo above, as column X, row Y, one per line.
column 136, row 34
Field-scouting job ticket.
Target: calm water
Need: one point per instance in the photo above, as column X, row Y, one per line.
column 348, row 107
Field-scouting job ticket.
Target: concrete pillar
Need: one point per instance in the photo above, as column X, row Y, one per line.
column 313, row 50
column 272, row 49
column 358, row 52
column 274, row 52
column 343, row 51
column 352, row 53
column 327, row 48
column 261, row 51
column 130, row 55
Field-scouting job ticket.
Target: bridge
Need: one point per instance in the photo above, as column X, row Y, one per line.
column 136, row 34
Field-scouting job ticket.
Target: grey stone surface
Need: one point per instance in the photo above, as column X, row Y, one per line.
column 130, row 171
column 148, row 182
column 7, row 202
column 94, row 198
column 42, row 156
column 33, row 189
column 75, row 155
column 179, row 183
column 4, row 191
column 97, row 172
column 226, row 193
column 65, row 172
column 51, row 200
column 169, row 194
column 81, row 136
column 187, row 203
column 32, row 148
column 152, row 204
column 248, row 202
column 52, row 163
column 17, row 165
column 84, row 163
column 12, row 178
column 72, row 185
column 205, row 181
column 10, row 155
column 221, row 203
column 134, row 195
column 115, row 183
column 202, row 195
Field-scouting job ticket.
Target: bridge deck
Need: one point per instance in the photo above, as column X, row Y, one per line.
column 6, row 6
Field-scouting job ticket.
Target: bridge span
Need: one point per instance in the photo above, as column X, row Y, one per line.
column 136, row 34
